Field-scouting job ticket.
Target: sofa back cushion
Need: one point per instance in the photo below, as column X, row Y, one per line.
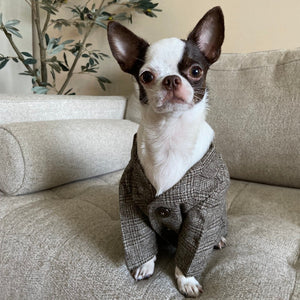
column 255, row 112
column 28, row 108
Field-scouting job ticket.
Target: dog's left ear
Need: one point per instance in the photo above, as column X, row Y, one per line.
column 127, row 48
column 208, row 34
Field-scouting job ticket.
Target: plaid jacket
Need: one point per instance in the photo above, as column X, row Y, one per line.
column 191, row 214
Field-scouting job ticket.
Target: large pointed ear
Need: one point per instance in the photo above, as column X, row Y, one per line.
column 127, row 48
column 208, row 34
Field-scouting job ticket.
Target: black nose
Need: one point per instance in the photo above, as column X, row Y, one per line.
column 171, row 82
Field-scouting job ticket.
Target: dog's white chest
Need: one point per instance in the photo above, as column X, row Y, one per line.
column 163, row 165
column 169, row 148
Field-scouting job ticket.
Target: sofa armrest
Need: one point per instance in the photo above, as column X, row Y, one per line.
column 52, row 107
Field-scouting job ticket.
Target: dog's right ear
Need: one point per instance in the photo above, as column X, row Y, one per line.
column 127, row 48
column 208, row 34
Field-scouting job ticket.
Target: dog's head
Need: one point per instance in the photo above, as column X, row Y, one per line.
column 171, row 73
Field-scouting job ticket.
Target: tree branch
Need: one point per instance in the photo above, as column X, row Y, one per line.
column 19, row 54
column 46, row 24
column 43, row 57
column 71, row 71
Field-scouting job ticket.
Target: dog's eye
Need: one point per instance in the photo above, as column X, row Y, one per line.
column 195, row 72
column 146, row 77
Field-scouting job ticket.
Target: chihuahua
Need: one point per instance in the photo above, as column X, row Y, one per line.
column 174, row 186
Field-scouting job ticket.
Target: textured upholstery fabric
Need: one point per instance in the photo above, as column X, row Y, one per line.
column 28, row 108
column 255, row 112
column 254, row 102
column 39, row 155
column 65, row 243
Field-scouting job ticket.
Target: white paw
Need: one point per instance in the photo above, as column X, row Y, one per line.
column 144, row 271
column 221, row 244
column 188, row 286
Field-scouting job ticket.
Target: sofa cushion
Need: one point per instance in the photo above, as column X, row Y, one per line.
column 29, row 108
column 65, row 243
column 254, row 110
column 39, row 155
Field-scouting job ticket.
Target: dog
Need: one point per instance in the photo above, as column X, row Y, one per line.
column 174, row 187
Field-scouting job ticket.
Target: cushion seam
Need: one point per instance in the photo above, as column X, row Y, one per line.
column 24, row 165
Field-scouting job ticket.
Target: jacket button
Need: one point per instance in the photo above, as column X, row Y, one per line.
column 163, row 212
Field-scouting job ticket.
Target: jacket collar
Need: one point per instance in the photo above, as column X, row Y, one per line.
column 196, row 180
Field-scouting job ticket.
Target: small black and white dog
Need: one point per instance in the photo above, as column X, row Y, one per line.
column 173, row 138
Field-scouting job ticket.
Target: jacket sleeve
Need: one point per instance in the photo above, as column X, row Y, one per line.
column 202, row 229
column 138, row 237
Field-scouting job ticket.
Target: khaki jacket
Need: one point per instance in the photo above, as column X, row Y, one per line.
column 191, row 214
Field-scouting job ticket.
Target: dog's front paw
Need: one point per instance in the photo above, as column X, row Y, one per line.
column 188, row 286
column 144, row 271
column 222, row 244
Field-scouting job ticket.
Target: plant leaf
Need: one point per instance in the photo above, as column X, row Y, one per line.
column 11, row 23
column 56, row 67
column 3, row 63
column 102, row 85
column 26, row 54
column 100, row 24
column 67, row 42
column 53, row 74
column 30, row 61
column 56, row 50
column 47, row 39
column 26, row 73
column 65, row 59
column 68, row 91
column 63, row 67
column 14, row 31
column 40, row 90
column 103, row 79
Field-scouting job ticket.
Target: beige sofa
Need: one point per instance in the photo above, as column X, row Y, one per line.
column 61, row 160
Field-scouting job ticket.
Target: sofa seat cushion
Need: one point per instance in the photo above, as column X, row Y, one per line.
column 65, row 243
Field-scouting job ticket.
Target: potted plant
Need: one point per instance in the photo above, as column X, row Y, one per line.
column 52, row 57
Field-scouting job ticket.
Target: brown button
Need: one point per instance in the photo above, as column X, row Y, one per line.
column 163, row 212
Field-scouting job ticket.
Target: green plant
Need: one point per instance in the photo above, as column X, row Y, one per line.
column 52, row 57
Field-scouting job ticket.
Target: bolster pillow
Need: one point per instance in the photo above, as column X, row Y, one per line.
column 39, row 155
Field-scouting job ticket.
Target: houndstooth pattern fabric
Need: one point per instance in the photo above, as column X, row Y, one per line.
column 191, row 215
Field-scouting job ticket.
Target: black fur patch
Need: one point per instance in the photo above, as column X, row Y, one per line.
column 191, row 56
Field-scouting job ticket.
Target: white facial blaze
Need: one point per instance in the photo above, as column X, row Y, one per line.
column 162, row 60
column 163, row 56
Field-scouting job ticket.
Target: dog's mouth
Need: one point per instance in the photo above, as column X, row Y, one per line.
column 173, row 100
column 175, row 97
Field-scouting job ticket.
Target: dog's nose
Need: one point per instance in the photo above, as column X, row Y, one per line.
column 171, row 82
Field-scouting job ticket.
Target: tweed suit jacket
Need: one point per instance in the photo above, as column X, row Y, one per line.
column 191, row 215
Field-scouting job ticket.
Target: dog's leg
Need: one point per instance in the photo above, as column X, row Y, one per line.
column 145, row 270
column 188, row 286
